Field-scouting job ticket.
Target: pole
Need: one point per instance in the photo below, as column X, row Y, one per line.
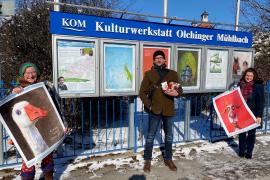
column 56, row 7
column 165, row 11
column 237, row 15
column 131, row 141
column 1, row 145
column 187, row 120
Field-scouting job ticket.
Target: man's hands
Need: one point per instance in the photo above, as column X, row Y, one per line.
column 171, row 92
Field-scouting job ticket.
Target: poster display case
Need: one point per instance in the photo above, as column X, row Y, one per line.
column 189, row 67
column 76, row 67
column 119, row 73
column 216, row 69
column 241, row 60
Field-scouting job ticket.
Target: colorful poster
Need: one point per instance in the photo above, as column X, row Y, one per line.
column 33, row 122
column 233, row 112
column 119, row 68
column 216, row 69
column 241, row 61
column 76, row 67
column 188, row 67
column 148, row 56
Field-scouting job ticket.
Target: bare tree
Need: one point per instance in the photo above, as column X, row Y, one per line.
column 25, row 36
column 261, row 44
column 257, row 13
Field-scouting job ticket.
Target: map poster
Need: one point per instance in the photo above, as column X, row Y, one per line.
column 241, row 61
column 76, row 67
column 188, row 67
column 148, row 56
column 233, row 112
column 119, row 68
column 216, row 69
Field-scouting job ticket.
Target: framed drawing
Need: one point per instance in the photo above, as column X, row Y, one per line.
column 216, row 69
column 119, row 69
column 241, row 61
column 188, row 67
column 148, row 52
column 77, row 68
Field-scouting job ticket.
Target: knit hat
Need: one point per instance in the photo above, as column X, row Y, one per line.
column 27, row 65
column 157, row 53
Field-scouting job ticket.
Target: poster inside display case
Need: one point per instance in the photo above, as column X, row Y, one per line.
column 188, row 67
column 241, row 61
column 119, row 68
column 216, row 69
column 148, row 52
column 76, row 62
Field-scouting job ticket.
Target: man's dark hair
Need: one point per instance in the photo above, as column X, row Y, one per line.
column 252, row 70
column 60, row 78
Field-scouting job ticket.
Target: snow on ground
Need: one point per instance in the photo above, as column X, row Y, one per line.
column 225, row 161
column 188, row 151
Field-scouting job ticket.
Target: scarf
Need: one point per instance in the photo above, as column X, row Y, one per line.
column 162, row 70
column 246, row 89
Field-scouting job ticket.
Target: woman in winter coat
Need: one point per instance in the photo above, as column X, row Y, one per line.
column 252, row 90
column 29, row 74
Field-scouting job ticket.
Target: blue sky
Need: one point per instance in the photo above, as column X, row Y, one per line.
column 219, row 10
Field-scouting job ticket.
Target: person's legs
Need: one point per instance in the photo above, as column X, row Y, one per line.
column 167, row 127
column 47, row 166
column 250, row 142
column 242, row 144
column 27, row 173
column 153, row 124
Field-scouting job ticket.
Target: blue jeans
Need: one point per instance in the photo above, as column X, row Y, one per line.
column 154, row 121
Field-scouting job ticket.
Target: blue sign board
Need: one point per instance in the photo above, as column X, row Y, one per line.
column 94, row 26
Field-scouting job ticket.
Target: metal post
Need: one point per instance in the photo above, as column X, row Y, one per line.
column 1, row 145
column 237, row 15
column 187, row 120
column 131, row 130
column 165, row 13
column 56, row 7
column 1, row 126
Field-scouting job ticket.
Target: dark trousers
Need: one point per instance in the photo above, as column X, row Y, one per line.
column 246, row 142
column 154, row 122
column 47, row 165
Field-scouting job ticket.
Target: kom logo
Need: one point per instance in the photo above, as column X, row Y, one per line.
column 74, row 24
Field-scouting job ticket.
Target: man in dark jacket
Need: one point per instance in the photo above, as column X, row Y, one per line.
column 160, row 104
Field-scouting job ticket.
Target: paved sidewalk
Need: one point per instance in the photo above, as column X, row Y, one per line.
column 197, row 160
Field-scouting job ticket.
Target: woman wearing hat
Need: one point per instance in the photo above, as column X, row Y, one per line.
column 29, row 74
